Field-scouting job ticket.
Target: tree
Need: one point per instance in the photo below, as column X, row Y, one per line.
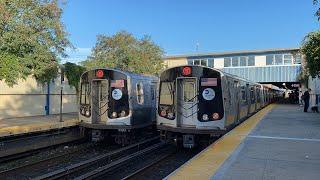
column 73, row 73
column 311, row 50
column 125, row 52
column 32, row 38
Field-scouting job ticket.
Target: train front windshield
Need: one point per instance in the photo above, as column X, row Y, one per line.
column 166, row 102
column 196, row 90
column 167, row 93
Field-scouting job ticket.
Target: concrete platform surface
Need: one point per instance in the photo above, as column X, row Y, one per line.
column 285, row 144
column 22, row 125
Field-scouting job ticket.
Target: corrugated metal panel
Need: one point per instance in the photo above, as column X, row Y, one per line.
column 267, row 73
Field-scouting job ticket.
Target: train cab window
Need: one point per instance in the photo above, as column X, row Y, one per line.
column 85, row 94
column 189, row 91
column 166, row 93
column 139, row 92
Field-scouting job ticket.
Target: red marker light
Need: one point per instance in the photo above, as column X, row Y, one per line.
column 215, row 116
column 186, row 71
column 99, row 73
column 163, row 113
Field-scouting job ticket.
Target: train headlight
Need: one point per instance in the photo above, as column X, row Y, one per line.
column 205, row 117
column 114, row 114
column 215, row 116
column 163, row 113
column 123, row 113
column 87, row 113
column 82, row 111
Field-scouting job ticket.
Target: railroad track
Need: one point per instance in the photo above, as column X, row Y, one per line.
column 139, row 172
column 16, row 147
column 41, row 162
column 101, row 164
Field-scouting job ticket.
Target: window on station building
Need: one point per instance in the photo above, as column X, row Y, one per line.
column 235, row 61
column 278, row 59
column 297, row 59
column 200, row 62
column 251, row 60
column 269, row 60
column 287, row 59
column 239, row 61
column 227, row 62
column 243, row 61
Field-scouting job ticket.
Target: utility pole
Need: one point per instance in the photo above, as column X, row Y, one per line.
column 197, row 46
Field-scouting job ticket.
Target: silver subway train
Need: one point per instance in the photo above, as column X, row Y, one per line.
column 116, row 104
column 197, row 104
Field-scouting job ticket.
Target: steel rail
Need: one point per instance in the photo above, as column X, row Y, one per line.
column 66, row 171
column 4, row 172
column 143, row 169
column 104, row 169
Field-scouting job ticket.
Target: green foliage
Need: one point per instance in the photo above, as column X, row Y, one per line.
column 125, row 52
column 73, row 73
column 311, row 50
column 32, row 38
column 303, row 77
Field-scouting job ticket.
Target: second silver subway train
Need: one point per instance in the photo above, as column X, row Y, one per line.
column 198, row 103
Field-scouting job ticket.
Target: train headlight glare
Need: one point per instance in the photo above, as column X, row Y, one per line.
column 205, row 117
column 170, row 115
column 114, row 114
column 215, row 116
column 87, row 113
column 123, row 113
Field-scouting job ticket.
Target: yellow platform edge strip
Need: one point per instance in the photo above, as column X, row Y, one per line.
column 206, row 163
column 43, row 126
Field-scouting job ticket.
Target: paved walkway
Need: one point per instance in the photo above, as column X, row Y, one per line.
column 22, row 125
column 285, row 144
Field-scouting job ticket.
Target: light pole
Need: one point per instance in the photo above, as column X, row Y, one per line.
column 61, row 70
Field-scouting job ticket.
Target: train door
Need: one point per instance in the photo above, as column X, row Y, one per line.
column 187, row 102
column 232, row 102
column 100, row 89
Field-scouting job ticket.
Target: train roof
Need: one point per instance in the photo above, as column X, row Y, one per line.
column 127, row 73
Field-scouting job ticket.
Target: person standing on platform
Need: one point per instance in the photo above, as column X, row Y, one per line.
column 300, row 98
column 306, row 99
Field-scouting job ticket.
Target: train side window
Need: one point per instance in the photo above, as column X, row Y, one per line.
column 139, row 92
column 243, row 95
column 252, row 95
column 258, row 94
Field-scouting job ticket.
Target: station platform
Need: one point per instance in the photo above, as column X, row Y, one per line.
column 24, row 125
column 278, row 142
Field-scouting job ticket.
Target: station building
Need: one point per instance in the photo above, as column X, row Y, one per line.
column 280, row 67
column 29, row 98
